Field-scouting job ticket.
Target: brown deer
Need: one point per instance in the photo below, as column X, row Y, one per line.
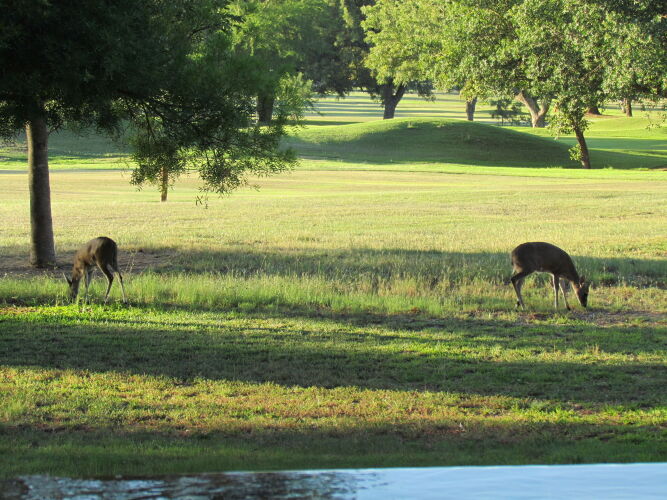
column 102, row 252
column 545, row 257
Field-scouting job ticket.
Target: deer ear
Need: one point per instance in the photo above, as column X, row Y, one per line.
column 69, row 281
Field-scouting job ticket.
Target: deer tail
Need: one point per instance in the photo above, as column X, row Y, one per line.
column 114, row 259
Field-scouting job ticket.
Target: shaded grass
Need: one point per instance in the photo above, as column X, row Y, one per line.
column 271, row 390
column 564, row 359
column 85, row 454
column 427, row 140
column 68, row 150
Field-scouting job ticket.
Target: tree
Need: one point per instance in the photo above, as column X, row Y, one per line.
column 290, row 37
column 321, row 39
column 584, row 53
column 634, row 37
column 163, row 69
column 387, row 89
column 326, row 59
column 507, row 110
column 394, row 64
column 455, row 44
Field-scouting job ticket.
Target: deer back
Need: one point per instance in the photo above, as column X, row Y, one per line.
column 100, row 250
column 545, row 257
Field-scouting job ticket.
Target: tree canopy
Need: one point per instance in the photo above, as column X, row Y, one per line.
column 289, row 38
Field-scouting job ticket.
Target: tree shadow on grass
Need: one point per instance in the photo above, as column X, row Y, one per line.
column 173, row 450
column 432, row 268
column 466, row 358
column 376, row 274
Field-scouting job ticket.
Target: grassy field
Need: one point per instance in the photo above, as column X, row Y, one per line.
column 353, row 313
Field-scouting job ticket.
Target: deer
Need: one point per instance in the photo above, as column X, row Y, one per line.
column 530, row 257
column 101, row 251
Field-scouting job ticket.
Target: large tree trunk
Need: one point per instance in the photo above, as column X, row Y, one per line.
column 42, row 245
column 390, row 99
column 537, row 114
column 265, row 108
column 585, row 157
column 594, row 110
column 627, row 107
column 164, row 183
column 470, row 108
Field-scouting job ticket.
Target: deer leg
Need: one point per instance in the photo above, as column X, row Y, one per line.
column 109, row 276
column 555, row 281
column 517, row 283
column 122, row 288
column 563, row 286
column 88, row 277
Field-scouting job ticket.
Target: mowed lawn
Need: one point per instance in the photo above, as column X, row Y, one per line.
column 348, row 314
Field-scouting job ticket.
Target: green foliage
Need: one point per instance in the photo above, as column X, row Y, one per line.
column 289, row 37
column 576, row 153
column 294, row 98
column 102, row 49
column 213, row 124
column 390, row 58
column 154, row 153
column 386, row 84
column 634, row 37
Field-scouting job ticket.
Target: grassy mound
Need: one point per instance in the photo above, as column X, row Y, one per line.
column 430, row 140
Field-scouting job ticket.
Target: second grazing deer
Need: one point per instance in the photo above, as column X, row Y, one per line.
column 101, row 252
column 528, row 258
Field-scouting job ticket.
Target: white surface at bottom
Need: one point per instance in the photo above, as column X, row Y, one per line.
column 603, row 481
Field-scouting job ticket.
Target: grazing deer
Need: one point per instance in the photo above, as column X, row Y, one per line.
column 545, row 257
column 102, row 252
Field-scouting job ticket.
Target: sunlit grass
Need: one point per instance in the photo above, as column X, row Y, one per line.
column 335, row 319
column 352, row 313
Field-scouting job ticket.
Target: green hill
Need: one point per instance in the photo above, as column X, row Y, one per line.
column 430, row 140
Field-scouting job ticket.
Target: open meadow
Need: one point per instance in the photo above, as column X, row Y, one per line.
column 355, row 312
